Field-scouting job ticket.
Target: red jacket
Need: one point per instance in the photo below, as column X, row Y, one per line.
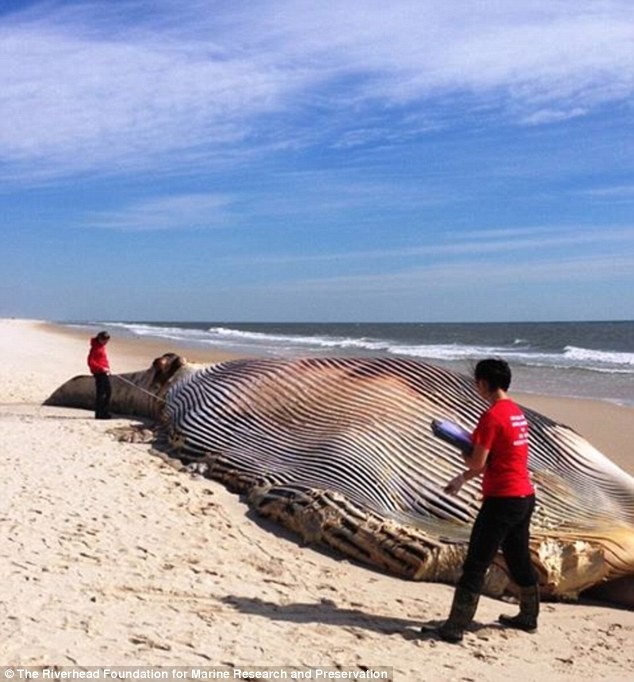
column 98, row 358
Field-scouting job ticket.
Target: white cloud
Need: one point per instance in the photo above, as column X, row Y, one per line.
column 191, row 211
column 552, row 116
column 614, row 193
column 86, row 86
column 408, row 49
column 113, row 102
column 470, row 277
column 530, row 245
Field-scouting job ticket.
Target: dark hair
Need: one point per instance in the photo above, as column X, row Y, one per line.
column 496, row 373
column 103, row 336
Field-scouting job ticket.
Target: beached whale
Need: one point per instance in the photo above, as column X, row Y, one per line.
column 341, row 451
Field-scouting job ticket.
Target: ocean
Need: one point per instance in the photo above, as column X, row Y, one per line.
column 575, row 359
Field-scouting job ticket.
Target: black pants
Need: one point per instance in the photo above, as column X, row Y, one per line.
column 102, row 400
column 502, row 522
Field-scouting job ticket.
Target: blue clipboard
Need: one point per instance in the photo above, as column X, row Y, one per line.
column 454, row 434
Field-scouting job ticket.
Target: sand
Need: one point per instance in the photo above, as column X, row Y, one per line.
column 113, row 557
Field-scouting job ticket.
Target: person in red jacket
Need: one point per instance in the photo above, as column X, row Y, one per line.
column 500, row 452
column 100, row 368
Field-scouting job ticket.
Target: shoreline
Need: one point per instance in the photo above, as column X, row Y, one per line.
column 556, row 360
column 143, row 349
column 607, row 425
column 114, row 557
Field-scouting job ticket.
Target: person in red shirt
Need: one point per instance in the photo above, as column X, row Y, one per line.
column 500, row 453
column 100, row 368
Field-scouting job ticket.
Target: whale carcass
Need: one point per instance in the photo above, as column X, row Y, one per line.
column 341, row 451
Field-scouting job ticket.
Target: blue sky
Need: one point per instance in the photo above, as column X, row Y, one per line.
column 283, row 160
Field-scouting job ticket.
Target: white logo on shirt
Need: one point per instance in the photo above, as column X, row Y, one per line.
column 518, row 422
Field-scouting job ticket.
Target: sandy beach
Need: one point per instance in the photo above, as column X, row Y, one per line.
column 114, row 557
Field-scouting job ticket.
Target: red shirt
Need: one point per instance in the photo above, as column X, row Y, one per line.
column 503, row 431
column 97, row 358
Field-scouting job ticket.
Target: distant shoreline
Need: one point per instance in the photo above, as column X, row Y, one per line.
column 607, row 425
column 572, row 360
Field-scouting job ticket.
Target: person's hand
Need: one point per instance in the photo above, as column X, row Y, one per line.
column 453, row 487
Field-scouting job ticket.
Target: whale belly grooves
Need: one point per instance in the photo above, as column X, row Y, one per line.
column 342, row 452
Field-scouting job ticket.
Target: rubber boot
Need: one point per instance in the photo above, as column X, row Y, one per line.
column 462, row 612
column 526, row 619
